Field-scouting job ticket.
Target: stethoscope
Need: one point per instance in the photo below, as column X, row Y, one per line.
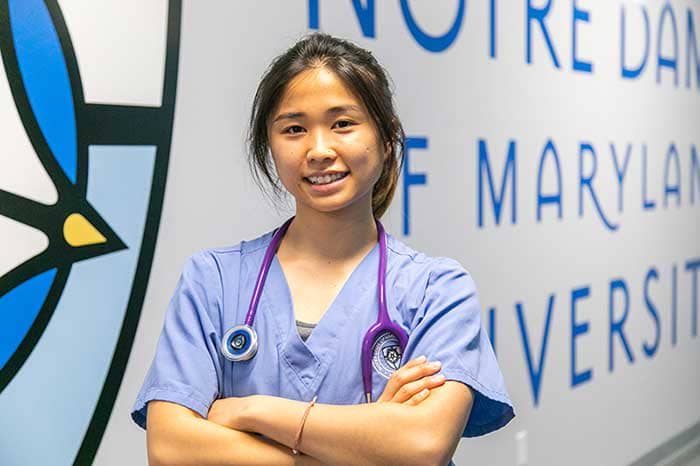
column 240, row 343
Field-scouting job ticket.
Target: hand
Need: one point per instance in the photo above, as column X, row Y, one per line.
column 411, row 384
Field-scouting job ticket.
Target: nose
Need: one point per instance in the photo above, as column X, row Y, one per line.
column 321, row 147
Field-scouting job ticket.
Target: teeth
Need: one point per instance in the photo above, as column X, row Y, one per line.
column 325, row 179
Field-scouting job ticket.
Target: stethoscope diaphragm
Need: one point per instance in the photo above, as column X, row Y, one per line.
column 240, row 343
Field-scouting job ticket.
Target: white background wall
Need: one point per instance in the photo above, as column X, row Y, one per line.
column 454, row 99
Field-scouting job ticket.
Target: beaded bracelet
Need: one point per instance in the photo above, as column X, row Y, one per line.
column 297, row 441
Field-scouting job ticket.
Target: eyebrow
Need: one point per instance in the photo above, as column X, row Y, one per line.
column 330, row 111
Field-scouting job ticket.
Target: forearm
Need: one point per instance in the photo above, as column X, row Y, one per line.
column 196, row 441
column 368, row 434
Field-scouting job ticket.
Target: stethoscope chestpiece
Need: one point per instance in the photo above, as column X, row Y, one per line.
column 240, row 343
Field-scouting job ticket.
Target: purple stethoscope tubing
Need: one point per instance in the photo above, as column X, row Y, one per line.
column 383, row 324
column 262, row 275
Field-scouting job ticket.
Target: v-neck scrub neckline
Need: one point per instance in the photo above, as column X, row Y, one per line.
column 304, row 329
column 361, row 276
column 308, row 362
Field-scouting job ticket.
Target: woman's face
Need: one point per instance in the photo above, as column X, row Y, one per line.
column 325, row 146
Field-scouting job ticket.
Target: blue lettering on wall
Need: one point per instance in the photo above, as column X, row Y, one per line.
column 578, row 329
column 674, row 305
column 587, row 180
column 509, row 172
column 619, row 308
column 428, row 42
column 616, row 326
column 691, row 44
column 620, row 172
column 539, row 15
column 579, row 16
column 313, row 14
column 662, row 61
column 634, row 71
column 492, row 29
column 535, row 371
column 692, row 266
column 648, row 204
column 650, row 350
column 674, row 189
column 365, row 16
column 694, row 172
column 550, row 198
column 410, row 179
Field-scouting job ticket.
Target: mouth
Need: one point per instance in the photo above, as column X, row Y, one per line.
column 325, row 179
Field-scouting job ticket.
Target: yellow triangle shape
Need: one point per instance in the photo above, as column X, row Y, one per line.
column 79, row 232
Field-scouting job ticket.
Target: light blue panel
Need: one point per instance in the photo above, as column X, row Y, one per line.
column 53, row 396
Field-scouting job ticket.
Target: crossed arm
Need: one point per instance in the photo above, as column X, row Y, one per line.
column 405, row 426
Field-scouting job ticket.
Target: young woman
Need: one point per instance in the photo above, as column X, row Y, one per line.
column 292, row 348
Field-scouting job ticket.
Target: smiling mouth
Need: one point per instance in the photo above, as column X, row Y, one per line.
column 325, row 179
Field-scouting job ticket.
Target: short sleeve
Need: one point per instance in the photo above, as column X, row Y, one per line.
column 448, row 328
column 187, row 368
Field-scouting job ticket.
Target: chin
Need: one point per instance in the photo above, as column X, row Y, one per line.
column 331, row 206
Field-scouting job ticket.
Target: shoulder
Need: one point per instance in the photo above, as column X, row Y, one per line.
column 212, row 267
column 210, row 277
column 421, row 275
column 223, row 258
column 410, row 260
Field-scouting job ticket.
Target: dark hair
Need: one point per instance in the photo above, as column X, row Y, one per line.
column 364, row 76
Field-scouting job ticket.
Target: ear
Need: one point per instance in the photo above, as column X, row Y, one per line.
column 387, row 151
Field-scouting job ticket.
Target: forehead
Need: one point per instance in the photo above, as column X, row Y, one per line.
column 317, row 87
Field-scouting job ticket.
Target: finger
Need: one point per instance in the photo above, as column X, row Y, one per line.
column 406, row 375
column 407, row 391
column 411, row 374
column 398, row 378
column 418, row 397
column 415, row 362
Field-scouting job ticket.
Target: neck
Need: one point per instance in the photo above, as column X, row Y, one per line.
column 331, row 236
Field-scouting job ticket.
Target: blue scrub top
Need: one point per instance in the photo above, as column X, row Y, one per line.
column 433, row 298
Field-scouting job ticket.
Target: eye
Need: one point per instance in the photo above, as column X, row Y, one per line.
column 294, row 129
column 342, row 124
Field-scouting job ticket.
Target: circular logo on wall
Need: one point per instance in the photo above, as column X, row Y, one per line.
column 386, row 355
column 81, row 191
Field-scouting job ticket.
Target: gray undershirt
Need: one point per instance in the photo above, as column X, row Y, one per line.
column 304, row 329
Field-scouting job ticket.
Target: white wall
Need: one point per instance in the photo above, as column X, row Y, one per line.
column 456, row 99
